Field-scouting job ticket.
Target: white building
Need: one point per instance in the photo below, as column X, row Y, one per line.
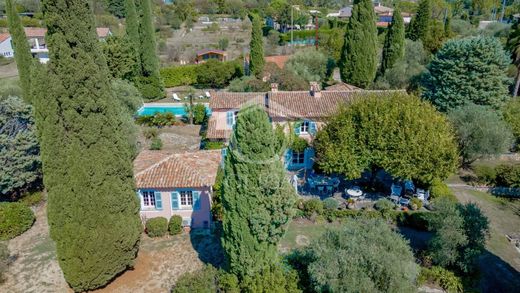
column 6, row 48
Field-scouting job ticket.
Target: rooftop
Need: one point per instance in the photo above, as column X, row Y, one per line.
column 4, row 37
column 206, row 51
column 157, row 169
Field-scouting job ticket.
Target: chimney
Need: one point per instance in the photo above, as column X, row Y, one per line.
column 315, row 89
column 274, row 87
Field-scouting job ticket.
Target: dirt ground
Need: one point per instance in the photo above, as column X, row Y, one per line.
column 9, row 70
column 176, row 139
column 159, row 264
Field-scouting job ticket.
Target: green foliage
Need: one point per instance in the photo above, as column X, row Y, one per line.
column 223, row 43
column 394, row 47
column 467, row 70
column 309, row 64
column 120, row 57
column 271, row 279
column 132, row 34
column 199, row 113
column 298, row 144
column 330, row 203
column 480, row 131
column 508, row 175
column 248, row 84
column 361, row 256
column 175, row 225
column 257, row 198
column 15, row 218
column 216, row 199
column 85, row 151
column 216, row 74
column 150, row 132
column 485, row 174
column 384, row 205
column 256, row 62
column 201, row 281
column 19, row 149
column 447, row 280
column 358, row 64
column 20, row 44
column 416, row 204
column 157, row 227
column 419, row 27
column 157, row 119
column 286, row 80
column 128, row 96
column 439, row 189
column 213, row 145
column 331, row 42
column 512, row 116
column 369, row 133
column 313, row 207
column 476, row 228
column 32, row 198
column 156, row 144
column 116, row 7
column 179, row 75
column 10, row 88
column 151, row 87
column 4, row 260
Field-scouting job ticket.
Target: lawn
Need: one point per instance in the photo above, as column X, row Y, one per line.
column 300, row 233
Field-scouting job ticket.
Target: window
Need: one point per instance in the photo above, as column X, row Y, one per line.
column 304, row 127
column 231, row 118
column 298, row 157
column 186, row 222
column 148, row 199
column 186, row 198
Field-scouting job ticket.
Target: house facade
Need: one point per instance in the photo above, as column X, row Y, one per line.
column 177, row 184
column 300, row 112
column 6, row 47
column 207, row 54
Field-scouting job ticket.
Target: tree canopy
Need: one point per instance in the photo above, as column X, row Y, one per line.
column 468, row 70
column 308, row 64
column 394, row 45
column 394, row 131
column 419, row 27
column 256, row 61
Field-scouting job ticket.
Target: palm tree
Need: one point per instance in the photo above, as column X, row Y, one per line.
column 513, row 45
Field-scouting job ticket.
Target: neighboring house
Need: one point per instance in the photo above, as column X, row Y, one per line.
column 36, row 38
column 177, row 184
column 206, row 54
column 6, row 48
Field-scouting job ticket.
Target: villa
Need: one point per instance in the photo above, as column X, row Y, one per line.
column 177, row 184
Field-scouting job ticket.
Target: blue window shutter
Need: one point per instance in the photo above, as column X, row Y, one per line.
column 297, row 128
column 175, row 200
column 288, row 158
column 309, row 157
column 312, row 128
column 196, row 200
column 158, row 201
column 229, row 118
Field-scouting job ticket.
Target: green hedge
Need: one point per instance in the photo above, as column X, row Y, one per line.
column 447, row 280
column 15, row 218
column 175, row 225
column 157, row 227
column 179, row 75
column 212, row 73
column 304, row 34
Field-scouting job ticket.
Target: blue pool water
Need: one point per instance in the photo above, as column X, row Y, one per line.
column 175, row 109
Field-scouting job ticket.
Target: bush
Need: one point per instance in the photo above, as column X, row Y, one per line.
column 508, row 176
column 440, row 189
column 156, row 144
column 157, row 227
column 313, row 207
column 157, row 119
column 32, row 198
column 15, row 218
column 441, row 277
column 330, row 204
column 417, row 220
column 208, row 279
column 150, row 133
column 199, row 113
column 150, row 87
column 213, row 145
column 179, row 75
column 416, row 204
column 485, row 174
column 175, row 225
column 384, row 205
column 218, row 74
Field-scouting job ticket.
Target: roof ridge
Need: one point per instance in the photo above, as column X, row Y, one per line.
column 155, row 164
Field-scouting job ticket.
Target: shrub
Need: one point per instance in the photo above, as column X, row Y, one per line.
column 485, row 174
column 157, row 227
column 15, row 218
column 330, row 204
column 179, row 75
column 175, row 225
column 156, row 144
column 213, row 145
column 313, row 207
column 417, row 220
column 416, row 204
column 440, row 189
column 442, row 277
column 384, row 205
column 150, row 133
column 32, row 198
column 508, row 175
column 150, row 87
column 199, row 114
column 218, row 74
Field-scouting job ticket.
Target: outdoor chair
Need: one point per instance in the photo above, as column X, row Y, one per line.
column 330, row 188
column 321, row 189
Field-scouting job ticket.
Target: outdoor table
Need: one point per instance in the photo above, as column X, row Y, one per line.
column 354, row 192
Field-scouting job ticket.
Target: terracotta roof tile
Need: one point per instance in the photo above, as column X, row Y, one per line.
column 231, row 100
column 214, row 133
column 341, row 86
column 4, row 37
column 195, row 169
column 206, row 51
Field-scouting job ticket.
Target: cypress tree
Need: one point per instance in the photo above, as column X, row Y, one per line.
column 22, row 51
column 132, row 34
column 393, row 48
column 92, row 209
column 257, row 61
column 358, row 64
column 150, row 84
column 420, row 24
column 257, row 198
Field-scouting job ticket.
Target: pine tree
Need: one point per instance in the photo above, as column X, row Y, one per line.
column 257, row 198
column 394, row 45
column 256, row 64
column 150, row 84
column 420, row 25
column 132, row 34
column 92, row 209
column 358, row 64
column 22, row 51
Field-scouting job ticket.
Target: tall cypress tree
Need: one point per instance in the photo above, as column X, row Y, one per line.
column 358, row 64
column 393, row 48
column 257, row 198
column 420, row 25
column 92, row 209
column 22, row 51
column 150, row 84
column 132, row 34
column 256, row 46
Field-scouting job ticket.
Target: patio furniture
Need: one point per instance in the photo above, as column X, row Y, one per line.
column 321, row 189
column 394, row 199
column 176, row 97
column 312, row 185
column 329, row 188
column 354, row 192
column 208, row 95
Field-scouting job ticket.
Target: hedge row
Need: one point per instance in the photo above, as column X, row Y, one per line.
column 212, row 73
column 15, row 218
column 504, row 175
column 158, row 227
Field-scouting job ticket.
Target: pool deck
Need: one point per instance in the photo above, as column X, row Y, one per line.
column 172, row 104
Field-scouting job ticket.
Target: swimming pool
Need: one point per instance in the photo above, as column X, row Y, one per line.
column 175, row 109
